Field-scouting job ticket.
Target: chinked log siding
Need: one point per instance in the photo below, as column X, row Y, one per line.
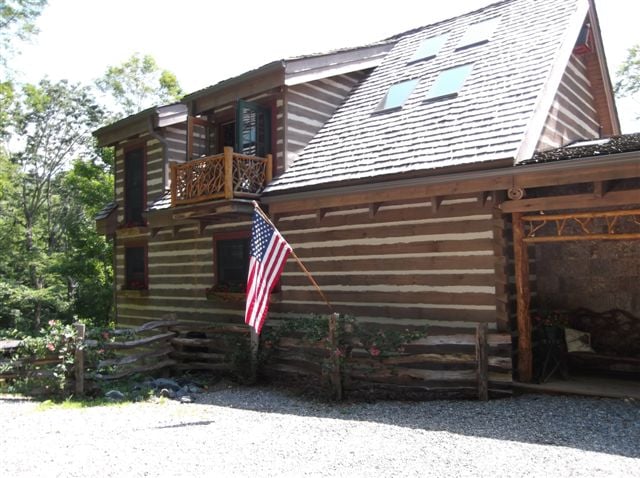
column 310, row 105
column 407, row 262
column 573, row 115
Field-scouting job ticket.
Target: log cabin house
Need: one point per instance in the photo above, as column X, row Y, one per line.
column 412, row 176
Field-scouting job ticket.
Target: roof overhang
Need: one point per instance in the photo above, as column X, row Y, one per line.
column 597, row 168
column 160, row 116
column 311, row 68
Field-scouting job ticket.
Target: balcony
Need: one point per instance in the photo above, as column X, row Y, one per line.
column 225, row 176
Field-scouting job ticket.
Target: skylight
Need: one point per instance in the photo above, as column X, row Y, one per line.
column 397, row 95
column 449, row 82
column 478, row 33
column 429, row 48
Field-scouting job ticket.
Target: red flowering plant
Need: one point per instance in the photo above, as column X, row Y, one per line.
column 554, row 318
column 55, row 346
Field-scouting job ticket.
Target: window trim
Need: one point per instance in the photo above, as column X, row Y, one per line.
column 132, row 146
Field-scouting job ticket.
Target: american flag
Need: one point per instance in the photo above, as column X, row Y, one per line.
column 269, row 252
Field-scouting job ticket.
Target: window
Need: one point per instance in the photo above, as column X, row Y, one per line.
column 449, row 82
column 478, row 33
column 226, row 135
column 134, row 187
column 429, row 48
column 253, row 129
column 135, row 264
column 232, row 263
column 397, row 95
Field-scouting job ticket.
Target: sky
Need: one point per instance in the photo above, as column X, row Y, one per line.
column 206, row 41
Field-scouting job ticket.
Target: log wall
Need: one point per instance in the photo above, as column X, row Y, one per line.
column 573, row 115
column 407, row 264
column 310, row 105
column 180, row 269
column 154, row 171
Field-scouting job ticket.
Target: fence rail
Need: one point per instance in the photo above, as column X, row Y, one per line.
column 463, row 364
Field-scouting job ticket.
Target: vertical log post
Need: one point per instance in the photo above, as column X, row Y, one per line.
column 254, row 345
column 334, row 357
column 174, row 182
column 228, row 172
column 482, row 358
column 268, row 170
column 79, row 359
column 523, row 297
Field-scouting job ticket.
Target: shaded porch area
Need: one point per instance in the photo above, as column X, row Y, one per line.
column 584, row 384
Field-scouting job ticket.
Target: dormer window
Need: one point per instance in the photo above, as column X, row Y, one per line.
column 429, row 48
column 397, row 95
column 449, row 82
column 478, row 33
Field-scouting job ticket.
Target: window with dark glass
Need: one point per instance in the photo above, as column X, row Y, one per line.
column 135, row 263
column 253, row 129
column 232, row 264
column 134, row 188
column 227, row 135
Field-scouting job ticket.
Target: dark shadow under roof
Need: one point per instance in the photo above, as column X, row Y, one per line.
column 587, row 149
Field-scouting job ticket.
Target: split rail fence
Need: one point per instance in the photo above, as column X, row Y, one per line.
column 466, row 364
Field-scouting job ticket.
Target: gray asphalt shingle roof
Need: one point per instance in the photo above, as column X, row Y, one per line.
column 487, row 120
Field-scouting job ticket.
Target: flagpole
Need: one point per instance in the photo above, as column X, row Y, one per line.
column 295, row 256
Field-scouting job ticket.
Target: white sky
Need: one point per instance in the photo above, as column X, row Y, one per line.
column 205, row 41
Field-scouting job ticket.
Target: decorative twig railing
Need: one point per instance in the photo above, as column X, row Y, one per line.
column 223, row 176
column 585, row 226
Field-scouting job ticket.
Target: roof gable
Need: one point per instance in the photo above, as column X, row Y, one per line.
column 485, row 121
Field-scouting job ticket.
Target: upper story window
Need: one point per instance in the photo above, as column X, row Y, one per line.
column 478, row 33
column 134, row 186
column 253, row 129
column 397, row 95
column 429, row 48
column 449, row 82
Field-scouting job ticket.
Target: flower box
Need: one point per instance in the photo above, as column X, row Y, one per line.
column 133, row 293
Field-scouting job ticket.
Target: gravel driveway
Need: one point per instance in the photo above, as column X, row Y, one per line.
column 260, row 431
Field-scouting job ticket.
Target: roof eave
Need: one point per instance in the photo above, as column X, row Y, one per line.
column 545, row 99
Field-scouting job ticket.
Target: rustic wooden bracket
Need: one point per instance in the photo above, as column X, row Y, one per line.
column 436, row 201
column 373, row 209
column 483, row 197
column 320, row 214
column 600, row 188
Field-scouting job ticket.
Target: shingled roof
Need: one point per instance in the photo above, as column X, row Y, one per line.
column 486, row 121
column 624, row 143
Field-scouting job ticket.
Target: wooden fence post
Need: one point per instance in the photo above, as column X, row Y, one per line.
column 228, row 172
column 255, row 344
column 335, row 374
column 483, row 362
column 79, row 359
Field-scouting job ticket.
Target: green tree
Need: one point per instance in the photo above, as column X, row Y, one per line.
column 17, row 21
column 52, row 123
column 138, row 83
column 628, row 84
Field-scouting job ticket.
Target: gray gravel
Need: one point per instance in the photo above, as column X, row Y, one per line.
column 259, row 431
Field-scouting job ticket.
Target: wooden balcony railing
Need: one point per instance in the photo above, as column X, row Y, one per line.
column 223, row 176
